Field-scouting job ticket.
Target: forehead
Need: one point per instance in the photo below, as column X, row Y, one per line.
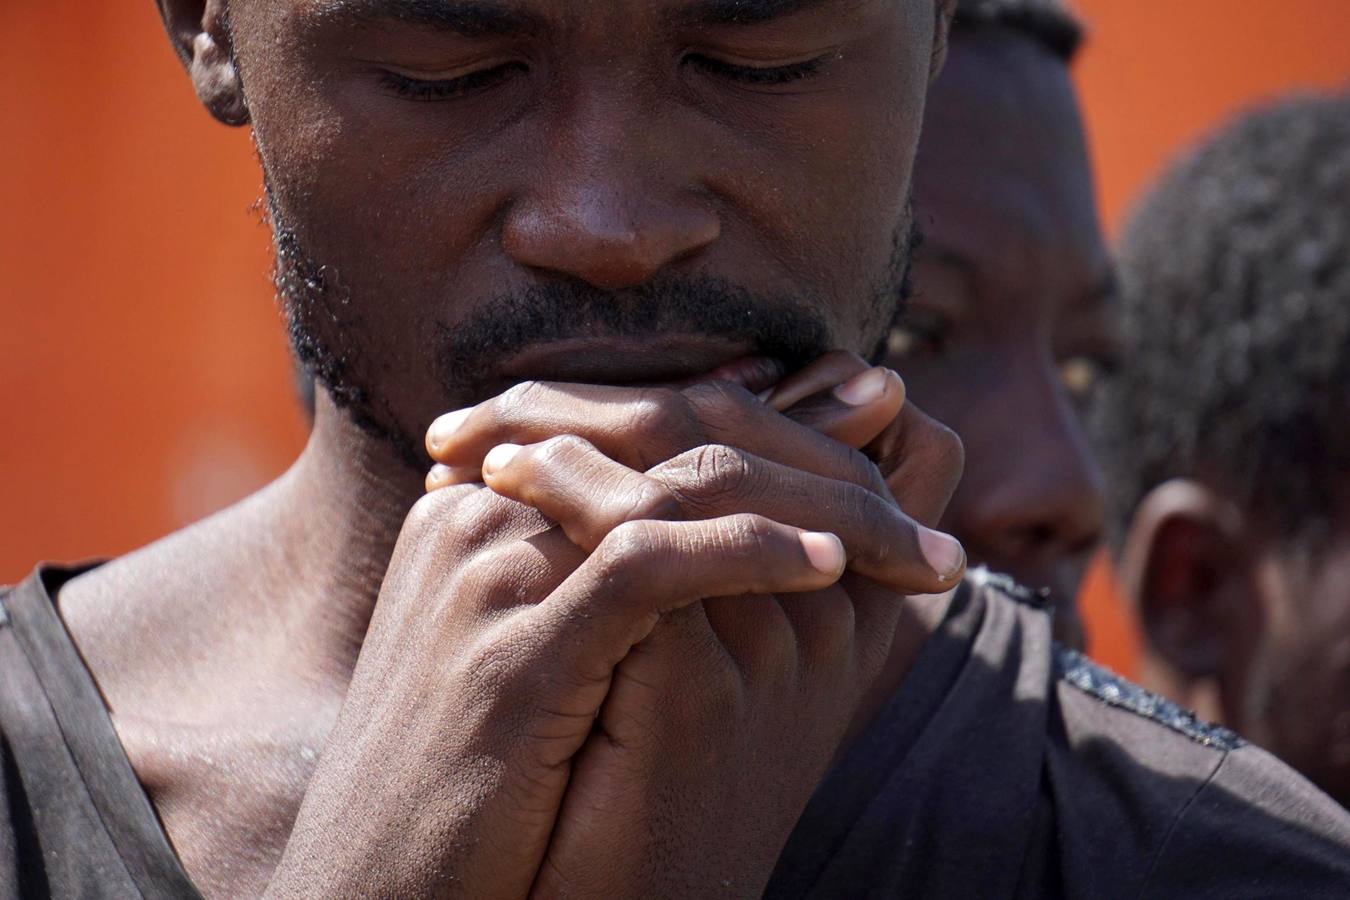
column 1003, row 143
column 477, row 18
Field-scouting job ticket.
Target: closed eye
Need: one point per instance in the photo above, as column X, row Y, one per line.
column 757, row 75
column 448, row 88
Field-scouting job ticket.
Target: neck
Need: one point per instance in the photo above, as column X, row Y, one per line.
column 336, row 516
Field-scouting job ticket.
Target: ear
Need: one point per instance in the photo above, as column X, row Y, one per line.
column 1182, row 566
column 200, row 32
column 944, row 11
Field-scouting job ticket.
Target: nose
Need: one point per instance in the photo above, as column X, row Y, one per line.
column 607, row 233
column 611, row 204
column 1037, row 495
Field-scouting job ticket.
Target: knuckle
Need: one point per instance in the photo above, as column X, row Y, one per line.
column 859, row 469
column 955, row 455
column 517, row 397
column 629, row 551
column 481, row 575
column 951, row 447
column 871, row 511
column 664, row 415
column 456, row 608
column 631, row 542
column 439, row 509
column 562, row 448
column 650, row 500
column 872, row 516
column 749, row 534
column 426, row 512
column 720, row 464
column 718, row 401
column 487, row 518
column 944, row 447
column 713, row 473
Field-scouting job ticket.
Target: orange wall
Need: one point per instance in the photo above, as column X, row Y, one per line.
column 1158, row 74
column 143, row 375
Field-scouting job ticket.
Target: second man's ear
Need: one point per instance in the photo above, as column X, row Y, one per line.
column 201, row 35
column 1183, row 569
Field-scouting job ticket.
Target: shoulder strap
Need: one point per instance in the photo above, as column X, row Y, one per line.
column 88, row 733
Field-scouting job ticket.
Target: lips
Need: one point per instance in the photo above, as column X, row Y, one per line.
column 754, row 373
column 669, row 359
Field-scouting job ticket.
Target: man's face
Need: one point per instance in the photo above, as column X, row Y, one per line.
column 473, row 194
column 1291, row 667
column 1011, row 315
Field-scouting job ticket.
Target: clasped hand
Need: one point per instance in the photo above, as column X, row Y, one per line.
column 623, row 635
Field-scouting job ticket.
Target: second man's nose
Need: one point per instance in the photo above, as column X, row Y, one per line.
column 1048, row 505
column 1033, row 495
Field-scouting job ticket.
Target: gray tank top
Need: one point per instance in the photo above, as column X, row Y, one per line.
column 74, row 820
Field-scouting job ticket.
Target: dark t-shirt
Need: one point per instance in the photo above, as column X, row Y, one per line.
column 1004, row 766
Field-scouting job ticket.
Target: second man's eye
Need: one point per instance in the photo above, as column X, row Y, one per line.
column 918, row 332
column 1082, row 375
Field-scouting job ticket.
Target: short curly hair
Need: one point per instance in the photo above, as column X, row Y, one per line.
column 1235, row 295
column 1048, row 22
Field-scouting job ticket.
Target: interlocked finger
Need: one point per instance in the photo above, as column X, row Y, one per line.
column 645, row 569
column 643, row 427
column 571, row 482
column 590, row 495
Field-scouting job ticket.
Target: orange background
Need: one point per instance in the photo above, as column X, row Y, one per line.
column 144, row 379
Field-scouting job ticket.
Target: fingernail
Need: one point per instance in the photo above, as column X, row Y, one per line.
column 499, row 457
column 444, row 428
column 443, row 476
column 863, row 389
column 944, row 553
column 825, row 551
column 437, row 477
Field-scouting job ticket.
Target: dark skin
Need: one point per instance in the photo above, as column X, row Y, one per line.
column 1245, row 625
column 619, row 662
column 1012, row 319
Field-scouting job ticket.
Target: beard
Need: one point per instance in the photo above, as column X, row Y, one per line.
column 325, row 333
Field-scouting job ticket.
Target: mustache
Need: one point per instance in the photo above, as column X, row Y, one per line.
column 785, row 328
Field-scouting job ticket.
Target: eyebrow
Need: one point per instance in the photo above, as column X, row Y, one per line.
column 740, row 12
column 469, row 18
column 477, row 18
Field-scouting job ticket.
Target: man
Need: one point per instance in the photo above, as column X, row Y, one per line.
column 667, row 622
column 1012, row 320
column 1231, row 426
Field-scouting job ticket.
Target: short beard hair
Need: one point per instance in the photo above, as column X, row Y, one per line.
column 320, row 322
